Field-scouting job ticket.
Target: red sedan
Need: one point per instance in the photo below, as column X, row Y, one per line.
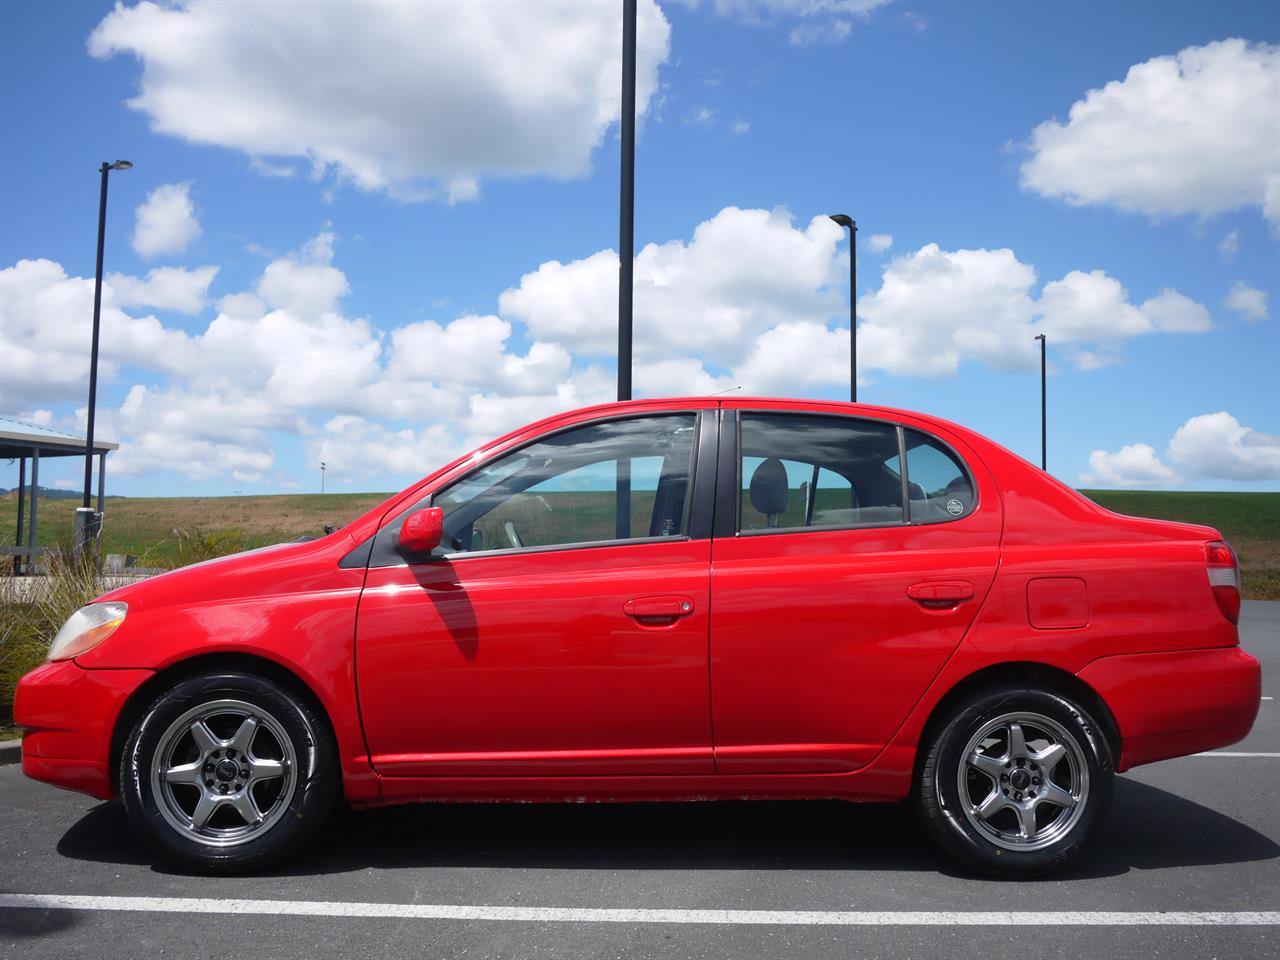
column 665, row 600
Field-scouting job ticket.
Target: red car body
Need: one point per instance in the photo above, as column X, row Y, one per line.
column 796, row 665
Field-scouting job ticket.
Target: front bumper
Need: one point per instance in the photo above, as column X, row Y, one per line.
column 69, row 714
column 1174, row 704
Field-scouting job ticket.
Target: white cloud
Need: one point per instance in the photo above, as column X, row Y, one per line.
column 305, row 282
column 752, row 300
column 419, row 99
column 1229, row 245
column 1217, row 445
column 1190, row 133
column 752, row 287
column 1136, row 465
column 165, row 288
column 937, row 308
column 198, row 434
column 166, row 222
column 353, row 447
column 743, row 272
column 880, row 242
column 819, row 21
column 739, row 127
column 269, row 362
column 1247, row 301
column 700, row 117
column 1172, row 312
column 1212, row 446
column 46, row 328
column 793, row 358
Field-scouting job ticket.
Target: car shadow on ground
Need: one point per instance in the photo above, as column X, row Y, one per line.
column 30, row 924
column 1148, row 829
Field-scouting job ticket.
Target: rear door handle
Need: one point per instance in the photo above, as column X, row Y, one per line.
column 658, row 608
column 939, row 594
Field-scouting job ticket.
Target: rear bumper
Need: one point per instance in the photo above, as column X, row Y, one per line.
column 69, row 714
column 1178, row 703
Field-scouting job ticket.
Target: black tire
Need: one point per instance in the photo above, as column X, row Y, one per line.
column 1002, row 843
column 297, row 800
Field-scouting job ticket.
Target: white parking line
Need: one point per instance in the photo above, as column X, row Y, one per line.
column 1227, row 753
column 847, row 918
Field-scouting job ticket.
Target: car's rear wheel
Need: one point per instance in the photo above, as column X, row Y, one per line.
column 1014, row 781
column 228, row 772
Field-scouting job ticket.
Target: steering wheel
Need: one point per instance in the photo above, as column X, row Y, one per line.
column 513, row 535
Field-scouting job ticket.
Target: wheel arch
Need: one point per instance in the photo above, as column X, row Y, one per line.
column 195, row 666
column 1032, row 674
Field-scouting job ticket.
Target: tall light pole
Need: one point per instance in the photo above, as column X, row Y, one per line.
column 626, row 250
column 1044, row 422
column 97, row 314
column 846, row 221
column 627, row 203
column 322, row 476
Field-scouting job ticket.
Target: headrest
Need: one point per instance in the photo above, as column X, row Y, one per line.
column 769, row 491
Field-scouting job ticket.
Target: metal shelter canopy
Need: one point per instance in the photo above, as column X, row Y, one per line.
column 23, row 440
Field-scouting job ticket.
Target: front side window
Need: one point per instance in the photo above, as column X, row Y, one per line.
column 814, row 471
column 616, row 480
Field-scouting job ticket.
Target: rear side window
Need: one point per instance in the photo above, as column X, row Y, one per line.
column 799, row 470
column 939, row 487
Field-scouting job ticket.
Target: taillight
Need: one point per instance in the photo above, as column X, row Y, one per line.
column 1224, row 577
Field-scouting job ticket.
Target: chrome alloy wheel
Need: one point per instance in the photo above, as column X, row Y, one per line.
column 224, row 773
column 1023, row 781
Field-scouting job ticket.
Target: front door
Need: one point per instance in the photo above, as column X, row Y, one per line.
column 841, row 584
column 562, row 627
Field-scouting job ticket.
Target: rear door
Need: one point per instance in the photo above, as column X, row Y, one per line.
column 840, row 581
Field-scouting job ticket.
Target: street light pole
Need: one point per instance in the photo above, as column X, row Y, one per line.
column 845, row 221
column 627, row 191
column 626, row 250
column 97, row 314
column 321, row 476
column 1044, row 422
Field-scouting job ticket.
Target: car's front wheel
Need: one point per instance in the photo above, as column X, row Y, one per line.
column 228, row 772
column 1015, row 781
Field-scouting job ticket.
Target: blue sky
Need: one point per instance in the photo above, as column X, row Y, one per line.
column 412, row 215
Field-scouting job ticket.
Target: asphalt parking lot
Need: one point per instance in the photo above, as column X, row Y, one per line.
column 1188, row 866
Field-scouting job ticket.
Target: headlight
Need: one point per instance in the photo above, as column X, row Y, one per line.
column 87, row 628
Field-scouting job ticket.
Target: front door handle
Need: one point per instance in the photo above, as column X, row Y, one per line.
column 658, row 608
column 940, row 594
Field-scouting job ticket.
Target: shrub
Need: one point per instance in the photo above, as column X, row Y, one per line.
column 32, row 610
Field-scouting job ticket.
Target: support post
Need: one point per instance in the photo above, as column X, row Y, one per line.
column 35, row 502
column 102, row 482
column 22, row 504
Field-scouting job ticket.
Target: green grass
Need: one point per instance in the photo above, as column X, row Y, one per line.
column 1240, row 516
column 1249, row 521
column 145, row 526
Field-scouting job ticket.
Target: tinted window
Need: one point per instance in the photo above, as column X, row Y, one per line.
column 814, row 471
column 940, row 487
column 573, row 488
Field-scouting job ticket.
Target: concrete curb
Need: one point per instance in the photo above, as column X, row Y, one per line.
column 10, row 751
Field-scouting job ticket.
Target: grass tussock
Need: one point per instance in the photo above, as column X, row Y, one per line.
column 32, row 610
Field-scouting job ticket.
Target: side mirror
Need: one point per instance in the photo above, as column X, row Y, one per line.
column 421, row 531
